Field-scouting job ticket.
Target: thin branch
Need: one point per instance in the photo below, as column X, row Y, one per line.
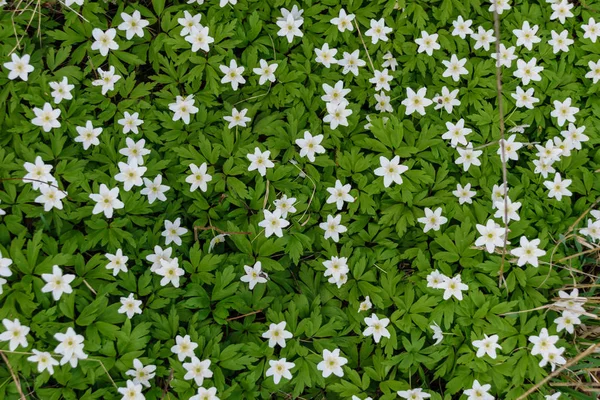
column 243, row 316
column 37, row 180
column 364, row 44
column 214, row 228
column 14, row 376
column 502, row 145
column 573, row 361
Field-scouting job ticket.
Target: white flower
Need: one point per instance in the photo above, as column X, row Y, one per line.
column 575, row 136
column 571, row 302
column 339, row 194
column 526, row 35
column 184, row 347
column 438, row 334
column 266, row 72
column 543, row 167
column 61, row 90
column 507, row 56
column 133, row 24
column 528, row 71
column 189, row 22
column 563, row 111
column 381, row 80
column 2, row 212
column 468, row 156
column 51, row 197
column 197, row 370
column 558, row 187
column 560, row 41
column 337, row 115
column 277, row 334
column 554, row 396
column 130, row 122
column 135, row 150
column 497, row 194
column 483, row 38
column 462, row 28
column 378, row 31
column 594, row 73
column 285, row 205
column 499, row 6
column 376, row 327
column 455, row 68
column 170, row 272
column 549, row 152
column 554, row 357
column 130, row 306
column 453, row 287
column 132, row 391
column 365, row 305
column 390, row 61
column 447, row 100
column 158, row 256
column 46, row 117
column 543, row 344
column 564, row 145
column 456, row 133
column 57, row 283
column 155, row 190
column 199, row 38
column 19, row 67
column 333, row 227
column 273, row 223
column 492, row 235
column 280, row 369
column 69, row 3
column 591, row 30
column 223, row 3
column 15, row 334
column 524, row 98
column 106, row 201
column 336, row 267
column 310, row 145
column 567, row 321
column 518, row 128
column 343, row 21
column 413, row 394
column 254, row 275
column 416, row 101
column 561, row 11
column 105, row 40
column 118, row 262
column 183, row 107
column 237, row 118
column 141, row 374
column 290, row 28
column 260, row 161
column 173, row 231
column 350, row 62
column 44, row 361
column 130, row 174
column 332, row 363
column 428, row 43
column 592, row 229
column 390, row 170
column 5, row 263
column 70, row 347
column 199, row 177
column 325, row 55
column 203, row 393
column 507, row 210
column 216, row 240
column 528, row 252
column 88, row 135
column 487, row 345
column 432, row 219
column 383, row 103
column 464, row 194
column 435, row 279
column 479, row 392
column 107, row 79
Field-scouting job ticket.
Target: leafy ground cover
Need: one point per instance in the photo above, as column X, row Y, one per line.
column 299, row 200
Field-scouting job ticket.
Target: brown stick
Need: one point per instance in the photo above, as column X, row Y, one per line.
column 214, row 228
column 14, row 376
column 502, row 143
column 573, row 361
column 36, row 180
column 243, row 316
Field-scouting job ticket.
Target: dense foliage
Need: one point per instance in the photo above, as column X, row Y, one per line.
column 242, row 268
